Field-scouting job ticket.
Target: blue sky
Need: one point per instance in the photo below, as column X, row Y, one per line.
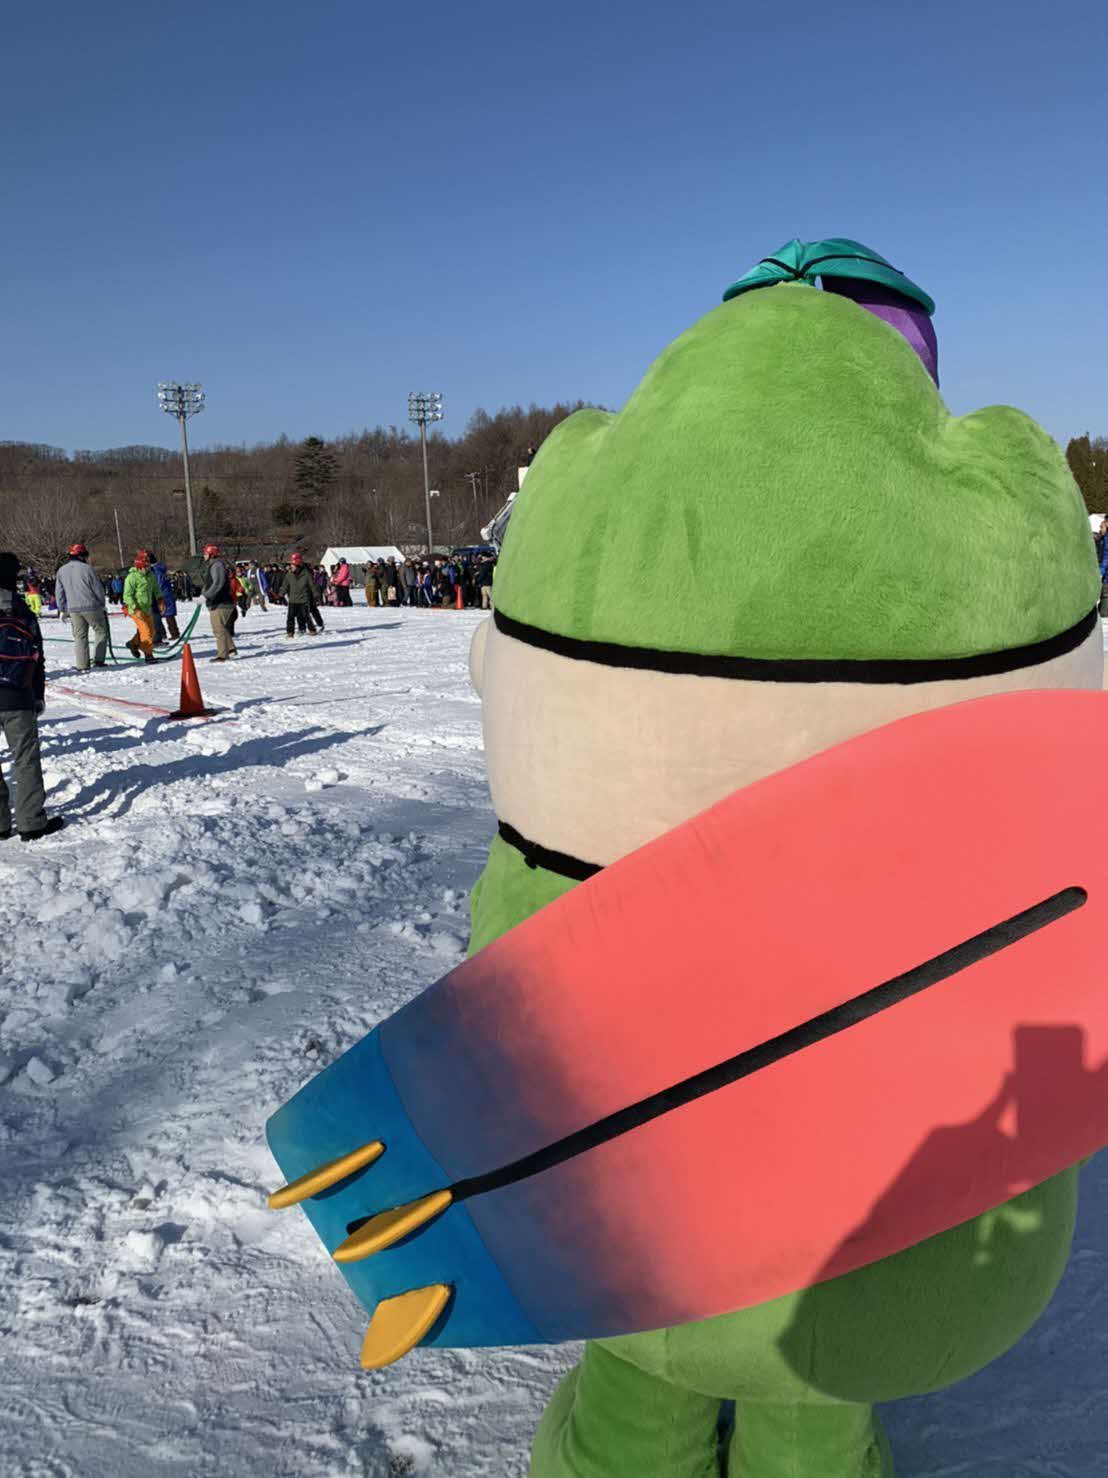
column 314, row 208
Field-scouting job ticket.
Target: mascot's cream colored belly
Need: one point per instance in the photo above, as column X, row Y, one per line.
column 595, row 761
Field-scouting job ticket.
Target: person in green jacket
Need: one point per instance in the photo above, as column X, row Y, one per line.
column 141, row 596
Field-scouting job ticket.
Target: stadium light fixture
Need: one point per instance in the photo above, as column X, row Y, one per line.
column 424, row 408
column 183, row 401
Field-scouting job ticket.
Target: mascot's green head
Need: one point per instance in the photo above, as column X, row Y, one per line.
column 783, row 539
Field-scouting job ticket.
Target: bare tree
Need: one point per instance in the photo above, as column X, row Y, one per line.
column 359, row 488
column 40, row 526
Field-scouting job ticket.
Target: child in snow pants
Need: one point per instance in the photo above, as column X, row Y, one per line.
column 144, row 636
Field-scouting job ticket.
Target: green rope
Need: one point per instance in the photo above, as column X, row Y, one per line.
column 172, row 651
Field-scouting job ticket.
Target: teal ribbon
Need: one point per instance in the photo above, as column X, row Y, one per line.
column 837, row 256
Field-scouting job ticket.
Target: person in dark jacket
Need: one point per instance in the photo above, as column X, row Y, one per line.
column 22, row 699
column 220, row 601
column 168, row 594
column 392, row 590
column 315, row 615
column 409, row 583
column 300, row 593
column 484, row 577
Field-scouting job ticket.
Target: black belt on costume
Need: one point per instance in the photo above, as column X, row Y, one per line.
column 803, row 669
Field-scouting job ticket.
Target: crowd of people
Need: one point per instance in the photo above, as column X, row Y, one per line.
column 181, row 586
column 437, row 582
column 148, row 593
column 414, row 582
column 231, row 588
column 386, row 582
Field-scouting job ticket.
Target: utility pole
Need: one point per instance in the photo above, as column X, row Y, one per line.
column 183, row 401
column 422, row 408
column 473, row 478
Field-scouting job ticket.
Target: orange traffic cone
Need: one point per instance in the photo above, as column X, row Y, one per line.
column 459, row 604
column 192, row 704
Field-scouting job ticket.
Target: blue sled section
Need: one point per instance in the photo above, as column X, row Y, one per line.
column 347, row 1105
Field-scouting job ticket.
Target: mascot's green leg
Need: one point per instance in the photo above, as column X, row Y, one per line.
column 808, row 1442
column 608, row 1419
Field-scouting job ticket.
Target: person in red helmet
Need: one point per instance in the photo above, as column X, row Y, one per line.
column 298, row 593
column 220, row 601
column 158, row 609
column 140, row 598
column 80, row 596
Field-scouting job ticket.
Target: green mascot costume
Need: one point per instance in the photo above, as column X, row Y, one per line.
column 784, row 486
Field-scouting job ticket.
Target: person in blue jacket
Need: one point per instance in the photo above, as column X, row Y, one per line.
column 168, row 594
column 262, row 582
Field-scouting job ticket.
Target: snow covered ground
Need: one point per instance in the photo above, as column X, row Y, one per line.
column 234, row 904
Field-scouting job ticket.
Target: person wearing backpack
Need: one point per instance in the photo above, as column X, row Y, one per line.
column 22, row 699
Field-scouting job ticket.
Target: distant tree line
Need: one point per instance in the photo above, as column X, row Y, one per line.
column 363, row 488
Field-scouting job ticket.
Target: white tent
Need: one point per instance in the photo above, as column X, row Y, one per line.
column 358, row 554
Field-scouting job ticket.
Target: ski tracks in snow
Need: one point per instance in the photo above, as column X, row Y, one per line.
column 233, row 905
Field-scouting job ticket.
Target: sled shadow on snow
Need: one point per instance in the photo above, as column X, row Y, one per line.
column 864, row 1339
column 358, row 630
column 317, row 646
column 273, row 751
column 127, row 734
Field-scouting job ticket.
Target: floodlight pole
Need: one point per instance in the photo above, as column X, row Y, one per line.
column 188, row 485
column 182, row 401
column 426, row 489
column 424, row 407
